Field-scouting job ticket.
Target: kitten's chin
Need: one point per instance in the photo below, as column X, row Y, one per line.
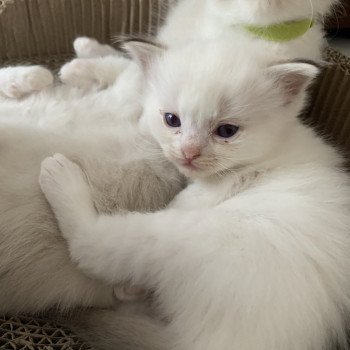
column 192, row 171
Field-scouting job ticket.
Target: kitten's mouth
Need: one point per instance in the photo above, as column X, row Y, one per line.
column 185, row 165
column 190, row 169
column 188, row 165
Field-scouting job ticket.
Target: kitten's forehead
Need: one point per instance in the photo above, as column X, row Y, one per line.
column 215, row 61
column 204, row 80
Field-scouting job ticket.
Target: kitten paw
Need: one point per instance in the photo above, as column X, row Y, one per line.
column 90, row 48
column 64, row 185
column 16, row 82
column 80, row 73
column 88, row 73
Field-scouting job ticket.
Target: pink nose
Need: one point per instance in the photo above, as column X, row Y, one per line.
column 191, row 152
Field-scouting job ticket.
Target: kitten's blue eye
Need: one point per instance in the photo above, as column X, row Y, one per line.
column 227, row 130
column 172, row 120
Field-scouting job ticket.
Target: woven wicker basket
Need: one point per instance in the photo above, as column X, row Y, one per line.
column 28, row 333
column 42, row 31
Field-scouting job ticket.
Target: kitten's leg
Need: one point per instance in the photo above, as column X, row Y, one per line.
column 58, row 171
column 92, row 236
column 90, row 48
column 65, row 188
column 97, row 65
column 16, row 82
column 93, row 72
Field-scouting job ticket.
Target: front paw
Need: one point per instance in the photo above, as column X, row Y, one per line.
column 63, row 184
column 86, row 47
column 16, row 82
column 80, row 73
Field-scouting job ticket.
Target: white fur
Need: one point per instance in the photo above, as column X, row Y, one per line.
column 126, row 169
column 126, row 174
column 93, row 72
column 212, row 18
column 254, row 254
column 88, row 48
column 16, row 82
column 35, row 271
column 64, row 107
column 96, row 65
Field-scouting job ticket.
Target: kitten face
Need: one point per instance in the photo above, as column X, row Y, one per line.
column 268, row 11
column 212, row 108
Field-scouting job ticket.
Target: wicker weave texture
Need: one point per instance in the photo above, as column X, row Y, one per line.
column 3, row 4
column 27, row 333
column 30, row 28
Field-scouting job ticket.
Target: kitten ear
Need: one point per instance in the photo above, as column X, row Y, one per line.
column 293, row 77
column 143, row 52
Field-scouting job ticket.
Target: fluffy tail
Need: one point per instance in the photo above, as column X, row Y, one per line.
column 110, row 330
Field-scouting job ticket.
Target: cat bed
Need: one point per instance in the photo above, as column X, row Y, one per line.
column 42, row 32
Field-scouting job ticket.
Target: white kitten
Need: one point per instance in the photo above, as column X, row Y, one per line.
column 193, row 19
column 258, row 246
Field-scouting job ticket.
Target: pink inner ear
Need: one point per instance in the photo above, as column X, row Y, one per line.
column 293, row 84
